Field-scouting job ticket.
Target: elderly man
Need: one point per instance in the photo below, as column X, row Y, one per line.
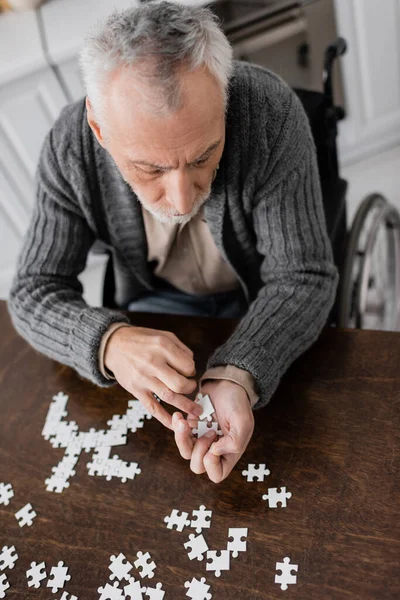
column 199, row 173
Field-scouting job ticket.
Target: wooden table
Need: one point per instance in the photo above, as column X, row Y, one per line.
column 330, row 435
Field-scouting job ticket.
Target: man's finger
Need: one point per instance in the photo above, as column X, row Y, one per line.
column 178, row 400
column 200, row 449
column 183, row 436
column 219, row 467
column 155, row 409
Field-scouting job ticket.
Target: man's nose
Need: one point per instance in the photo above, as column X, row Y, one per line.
column 181, row 192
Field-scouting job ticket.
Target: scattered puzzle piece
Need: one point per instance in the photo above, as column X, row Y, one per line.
column 120, row 567
column 144, row 563
column 4, row 585
column 25, row 516
column 202, row 520
column 260, row 472
column 218, row 561
column 198, row 546
column 6, row 493
column 156, row 593
column 274, row 497
column 198, row 589
column 36, row 574
column 110, row 592
column 134, row 590
column 179, row 521
column 67, row 596
column 286, row 578
column 8, row 558
column 237, row 544
column 58, row 577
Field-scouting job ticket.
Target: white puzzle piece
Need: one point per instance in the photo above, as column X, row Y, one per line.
column 25, row 516
column 259, row 473
column 179, row 521
column 198, row 589
column 274, row 497
column 286, row 578
column 8, row 557
column 145, row 563
column 202, row 520
column 36, row 574
column 198, row 546
column 110, row 592
column 67, row 596
column 120, row 567
column 58, row 577
column 218, row 561
column 4, row 585
column 6, row 493
column 134, row 590
column 207, row 406
column 204, row 427
column 237, row 544
column 156, row 593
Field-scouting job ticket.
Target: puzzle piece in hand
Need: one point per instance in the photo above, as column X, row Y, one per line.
column 144, row 562
column 36, row 573
column 120, row 567
column 178, row 520
column 218, row 561
column 259, row 472
column 156, row 593
column 4, row 585
column 286, row 578
column 198, row 589
column 274, row 497
column 6, row 493
column 110, row 592
column 237, row 544
column 198, row 546
column 59, row 577
column 204, row 427
column 207, row 406
column 134, row 590
column 202, row 520
column 8, row 558
column 25, row 516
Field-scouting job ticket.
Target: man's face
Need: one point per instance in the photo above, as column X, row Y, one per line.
column 163, row 158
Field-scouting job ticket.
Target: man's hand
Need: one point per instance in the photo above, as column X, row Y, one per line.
column 146, row 361
column 235, row 417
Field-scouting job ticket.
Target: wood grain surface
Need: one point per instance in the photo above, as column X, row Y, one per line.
column 330, row 435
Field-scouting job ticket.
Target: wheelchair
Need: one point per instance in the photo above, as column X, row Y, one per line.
column 368, row 255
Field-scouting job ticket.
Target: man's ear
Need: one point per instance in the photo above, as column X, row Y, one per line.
column 93, row 124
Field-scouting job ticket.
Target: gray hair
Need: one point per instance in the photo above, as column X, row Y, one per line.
column 154, row 40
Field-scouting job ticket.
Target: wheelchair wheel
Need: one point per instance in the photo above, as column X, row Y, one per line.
column 369, row 295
